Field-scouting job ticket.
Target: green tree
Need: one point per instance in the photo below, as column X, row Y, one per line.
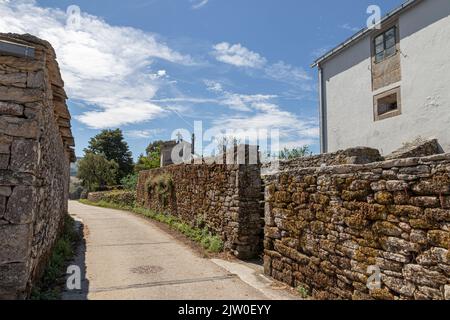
column 130, row 182
column 112, row 145
column 151, row 161
column 288, row 154
column 96, row 172
column 154, row 146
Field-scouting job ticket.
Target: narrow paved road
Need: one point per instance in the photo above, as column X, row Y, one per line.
column 128, row 257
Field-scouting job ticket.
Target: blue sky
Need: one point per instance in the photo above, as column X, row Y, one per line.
column 151, row 67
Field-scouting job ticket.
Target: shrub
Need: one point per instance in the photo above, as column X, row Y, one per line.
column 119, row 197
column 130, row 182
column 303, row 292
column 62, row 252
column 162, row 185
column 300, row 152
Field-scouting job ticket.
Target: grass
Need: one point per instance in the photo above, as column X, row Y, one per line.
column 203, row 236
column 63, row 251
column 303, row 292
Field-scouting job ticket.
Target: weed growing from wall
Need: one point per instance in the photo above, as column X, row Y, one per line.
column 162, row 186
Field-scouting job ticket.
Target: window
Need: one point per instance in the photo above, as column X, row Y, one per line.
column 385, row 45
column 387, row 104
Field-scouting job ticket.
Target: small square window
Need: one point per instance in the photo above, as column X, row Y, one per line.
column 387, row 104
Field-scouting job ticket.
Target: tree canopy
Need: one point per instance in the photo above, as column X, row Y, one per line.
column 154, row 146
column 112, row 145
column 96, row 172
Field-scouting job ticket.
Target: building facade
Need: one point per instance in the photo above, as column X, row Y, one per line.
column 389, row 85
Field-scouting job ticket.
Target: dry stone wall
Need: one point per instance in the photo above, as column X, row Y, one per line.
column 227, row 198
column 359, row 155
column 35, row 152
column 325, row 226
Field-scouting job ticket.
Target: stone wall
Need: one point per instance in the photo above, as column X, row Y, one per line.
column 325, row 226
column 35, row 151
column 226, row 197
column 359, row 155
column 119, row 197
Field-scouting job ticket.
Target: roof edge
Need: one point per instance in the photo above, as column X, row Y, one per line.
column 357, row 36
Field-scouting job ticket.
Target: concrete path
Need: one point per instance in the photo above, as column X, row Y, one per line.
column 125, row 256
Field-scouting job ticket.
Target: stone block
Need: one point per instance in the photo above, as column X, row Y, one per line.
column 396, row 185
column 428, row 293
column 17, row 79
column 4, row 161
column 439, row 238
column 21, row 206
column 427, row 202
column 21, row 64
column 13, row 277
column 397, row 245
column 24, row 155
column 11, row 109
column 437, row 215
column 427, row 188
column 420, row 275
column 445, row 202
column 5, row 144
column 8, row 177
column 14, row 243
column 433, row 257
column 19, row 127
column 36, row 80
column 384, row 198
column 5, row 191
column 21, row 95
column 386, row 228
column 417, row 148
column 399, row 286
column 2, row 205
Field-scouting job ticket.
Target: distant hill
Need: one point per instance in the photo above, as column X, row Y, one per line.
column 74, row 168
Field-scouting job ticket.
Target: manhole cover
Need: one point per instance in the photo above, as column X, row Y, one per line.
column 146, row 269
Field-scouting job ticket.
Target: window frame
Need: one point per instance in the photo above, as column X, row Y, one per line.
column 384, row 43
column 389, row 114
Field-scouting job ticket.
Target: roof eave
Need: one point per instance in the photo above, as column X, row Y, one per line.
column 360, row 34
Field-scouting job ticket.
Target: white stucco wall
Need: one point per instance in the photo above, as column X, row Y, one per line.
column 425, row 86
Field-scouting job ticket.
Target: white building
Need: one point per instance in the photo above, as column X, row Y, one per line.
column 383, row 87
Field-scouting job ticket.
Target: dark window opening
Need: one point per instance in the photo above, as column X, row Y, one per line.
column 385, row 45
column 387, row 104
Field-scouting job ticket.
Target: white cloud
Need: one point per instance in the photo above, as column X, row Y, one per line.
column 347, row 26
column 238, row 55
column 270, row 117
column 160, row 74
column 197, row 4
column 285, row 72
column 235, row 101
column 102, row 65
column 143, row 134
column 262, row 114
